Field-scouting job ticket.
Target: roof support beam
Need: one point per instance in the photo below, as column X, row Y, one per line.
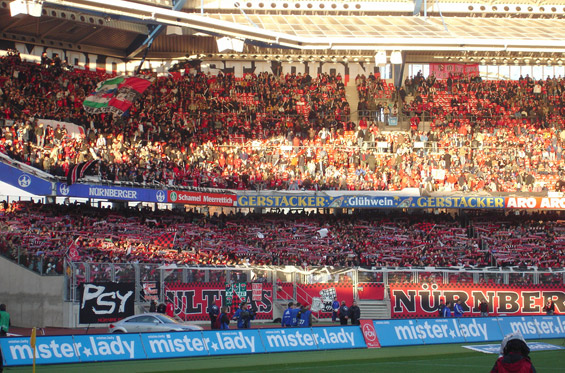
column 154, row 30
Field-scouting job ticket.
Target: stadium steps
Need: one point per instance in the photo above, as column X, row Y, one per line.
column 352, row 96
column 374, row 309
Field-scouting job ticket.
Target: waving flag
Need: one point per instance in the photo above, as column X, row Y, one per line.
column 166, row 239
column 116, row 95
column 78, row 171
column 72, row 251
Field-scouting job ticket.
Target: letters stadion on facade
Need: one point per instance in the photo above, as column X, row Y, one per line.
column 247, row 38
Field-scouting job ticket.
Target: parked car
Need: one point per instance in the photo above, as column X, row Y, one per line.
column 150, row 322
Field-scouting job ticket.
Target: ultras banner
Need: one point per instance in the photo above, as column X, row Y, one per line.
column 192, row 300
column 422, row 300
column 105, row 302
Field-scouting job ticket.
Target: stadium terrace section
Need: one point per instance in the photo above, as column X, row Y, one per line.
column 39, row 236
column 293, row 131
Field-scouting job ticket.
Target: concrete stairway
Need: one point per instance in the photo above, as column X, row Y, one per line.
column 374, row 309
column 352, row 97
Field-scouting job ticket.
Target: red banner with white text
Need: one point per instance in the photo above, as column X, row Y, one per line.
column 369, row 333
column 422, row 300
column 542, row 203
column 191, row 301
column 196, row 198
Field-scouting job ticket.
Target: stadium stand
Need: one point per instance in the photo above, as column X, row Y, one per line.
column 196, row 130
column 40, row 236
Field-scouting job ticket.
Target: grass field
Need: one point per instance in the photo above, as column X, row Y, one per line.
column 434, row 358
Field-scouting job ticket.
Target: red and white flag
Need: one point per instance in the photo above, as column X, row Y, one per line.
column 72, row 251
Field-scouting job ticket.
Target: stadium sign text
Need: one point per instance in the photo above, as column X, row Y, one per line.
column 194, row 198
column 109, row 192
column 466, row 330
column 110, row 347
column 191, row 301
column 24, row 181
column 422, row 300
column 106, row 302
column 553, row 203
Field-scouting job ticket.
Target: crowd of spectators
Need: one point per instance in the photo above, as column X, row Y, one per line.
column 292, row 131
column 33, row 231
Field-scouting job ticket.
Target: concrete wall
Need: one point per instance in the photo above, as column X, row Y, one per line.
column 31, row 299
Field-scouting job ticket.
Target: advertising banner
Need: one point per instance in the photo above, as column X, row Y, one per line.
column 422, row 300
column 24, row 181
column 541, row 203
column 437, row 331
column 289, row 339
column 397, row 332
column 550, row 326
column 105, row 302
column 111, row 193
column 174, row 345
column 49, row 350
column 197, row 198
column 458, row 202
column 368, row 201
column 232, row 342
column 191, row 300
column 334, row 337
column 481, row 329
column 108, row 347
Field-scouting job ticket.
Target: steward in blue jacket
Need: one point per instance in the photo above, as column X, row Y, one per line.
column 286, row 321
column 294, row 314
column 457, row 309
column 447, row 310
column 224, row 319
column 305, row 320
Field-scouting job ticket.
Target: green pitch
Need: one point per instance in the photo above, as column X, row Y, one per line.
column 435, row 358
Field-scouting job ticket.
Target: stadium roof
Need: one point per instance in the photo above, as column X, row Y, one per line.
column 464, row 29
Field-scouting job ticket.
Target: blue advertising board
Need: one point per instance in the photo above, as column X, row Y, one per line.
column 288, row 339
column 550, row 326
column 333, row 337
column 437, row 331
column 480, row 329
column 398, row 332
column 468, row 329
column 111, row 192
column 368, row 201
column 231, row 342
column 524, row 324
column 177, row 344
column 24, row 181
column 108, row 347
column 48, row 350
column 473, row 202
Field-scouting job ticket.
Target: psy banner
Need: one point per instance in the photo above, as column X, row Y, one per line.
column 422, row 300
column 105, row 302
column 191, row 301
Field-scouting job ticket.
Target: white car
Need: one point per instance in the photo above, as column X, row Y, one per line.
column 150, row 322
